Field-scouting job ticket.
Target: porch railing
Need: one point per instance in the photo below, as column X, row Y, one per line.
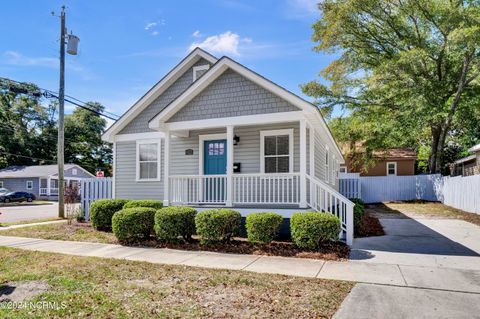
column 44, row 191
column 324, row 198
column 266, row 188
column 198, row 189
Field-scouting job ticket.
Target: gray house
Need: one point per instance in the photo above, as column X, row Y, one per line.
column 41, row 180
column 215, row 133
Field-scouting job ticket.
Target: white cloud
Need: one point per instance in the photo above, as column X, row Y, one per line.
column 197, row 34
column 227, row 42
column 155, row 33
column 150, row 25
column 15, row 58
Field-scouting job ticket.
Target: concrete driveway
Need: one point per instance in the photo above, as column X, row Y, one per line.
column 27, row 211
column 439, row 258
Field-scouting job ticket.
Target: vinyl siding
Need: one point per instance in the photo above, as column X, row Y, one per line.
column 140, row 123
column 247, row 152
column 231, row 95
column 126, row 185
column 20, row 184
column 80, row 173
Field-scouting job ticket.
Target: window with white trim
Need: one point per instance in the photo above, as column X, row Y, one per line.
column 74, row 171
column 327, row 163
column 148, row 160
column 199, row 70
column 29, row 184
column 391, row 168
column 343, row 169
column 276, row 151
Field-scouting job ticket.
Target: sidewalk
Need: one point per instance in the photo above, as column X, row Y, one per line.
column 449, row 279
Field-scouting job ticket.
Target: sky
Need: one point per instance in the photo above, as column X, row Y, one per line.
column 127, row 46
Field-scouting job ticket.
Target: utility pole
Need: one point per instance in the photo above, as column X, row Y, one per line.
column 61, row 126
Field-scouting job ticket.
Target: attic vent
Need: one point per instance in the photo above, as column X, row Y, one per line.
column 199, row 70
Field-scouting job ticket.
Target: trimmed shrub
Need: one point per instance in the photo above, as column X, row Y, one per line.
column 358, row 212
column 151, row 203
column 310, row 229
column 174, row 221
column 133, row 224
column 263, row 227
column 102, row 210
column 218, row 224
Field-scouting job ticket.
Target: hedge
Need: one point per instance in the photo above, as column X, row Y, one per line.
column 102, row 210
column 133, row 224
column 151, row 203
column 218, row 224
column 311, row 229
column 358, row 212
column 263, row 227
column 174, row 221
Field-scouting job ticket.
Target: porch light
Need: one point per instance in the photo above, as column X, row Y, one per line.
column 236, row 140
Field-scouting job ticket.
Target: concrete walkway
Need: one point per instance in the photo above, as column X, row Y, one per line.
column 449, row 279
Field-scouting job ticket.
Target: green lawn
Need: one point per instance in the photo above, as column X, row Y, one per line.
column 107, row 288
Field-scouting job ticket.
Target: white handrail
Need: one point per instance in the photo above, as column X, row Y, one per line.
column 283, row 188
column 323, row 198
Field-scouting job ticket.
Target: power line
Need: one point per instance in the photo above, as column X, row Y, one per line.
column 30, row 157
column 50, row 93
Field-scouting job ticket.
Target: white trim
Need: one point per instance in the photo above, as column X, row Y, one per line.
column 221, row 66
column 343, row 167
column 74, row 171
column 204, row 67
column 303, row 164
column 203, row 138
column 156, row 91
column 395, row 164
column 114, row 167
column 166, row 170
column 229, row 170
column 138, row 136
column 326, row 162
column 244, row 120
column 137, row 160
column 288, row 132
column 31, row 185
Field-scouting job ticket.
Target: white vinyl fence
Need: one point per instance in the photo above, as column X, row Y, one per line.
column 461, row 192
column 93, row 189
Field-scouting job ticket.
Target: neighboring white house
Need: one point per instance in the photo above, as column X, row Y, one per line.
column 214, row 133
column 41, row 180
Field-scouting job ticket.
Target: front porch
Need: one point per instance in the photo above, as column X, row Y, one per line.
column 235, row 166
column 49, row 186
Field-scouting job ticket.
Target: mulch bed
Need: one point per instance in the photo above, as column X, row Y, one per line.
column 370, row 226
column 328, row 251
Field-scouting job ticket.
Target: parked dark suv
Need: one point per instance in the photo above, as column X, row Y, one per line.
column 17, row 197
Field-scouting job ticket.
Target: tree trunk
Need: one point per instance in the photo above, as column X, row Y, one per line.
column 432, row 161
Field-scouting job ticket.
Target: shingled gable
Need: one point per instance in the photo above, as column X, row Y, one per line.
column 170, row 78
column 222, row 66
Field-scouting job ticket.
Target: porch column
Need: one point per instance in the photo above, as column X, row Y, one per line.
column 166, row 169
column 229, row 200
column 303, row 164
column 48, row 186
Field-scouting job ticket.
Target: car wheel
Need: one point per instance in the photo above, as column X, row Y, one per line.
column 29, row 200
column 7, row 200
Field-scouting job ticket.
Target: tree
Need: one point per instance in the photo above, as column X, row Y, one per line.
column 83, row 142
column 410, row 63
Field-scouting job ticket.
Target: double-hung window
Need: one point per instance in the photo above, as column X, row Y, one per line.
column 148, row 160
column 391, row 168
column 29, row 185
column 276, row 151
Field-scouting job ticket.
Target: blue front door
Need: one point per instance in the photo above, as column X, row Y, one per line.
column 215, row 157
column 215, row 163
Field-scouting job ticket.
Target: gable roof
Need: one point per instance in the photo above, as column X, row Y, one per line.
column 157, row 90
column 219, row 68
column 35, row 171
